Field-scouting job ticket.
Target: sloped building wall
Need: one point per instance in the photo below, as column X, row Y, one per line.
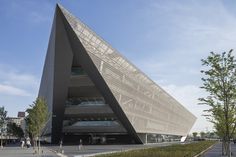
column 141, row 106
column 148, row 107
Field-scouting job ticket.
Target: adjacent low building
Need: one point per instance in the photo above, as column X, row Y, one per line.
column 19, row 120
column 97, row 95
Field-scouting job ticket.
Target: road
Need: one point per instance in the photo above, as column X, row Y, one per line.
column 16, row 151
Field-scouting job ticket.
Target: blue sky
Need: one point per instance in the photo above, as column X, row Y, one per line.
column 165, row 39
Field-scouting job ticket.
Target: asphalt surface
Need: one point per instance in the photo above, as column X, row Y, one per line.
column 71, row 151
column 88, row 150
column 16, row 151
column 215, row 151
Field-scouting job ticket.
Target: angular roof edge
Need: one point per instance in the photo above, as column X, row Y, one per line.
column 65, row 11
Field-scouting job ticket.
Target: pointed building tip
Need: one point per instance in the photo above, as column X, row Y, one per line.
column 58, row 5
column 60, row 8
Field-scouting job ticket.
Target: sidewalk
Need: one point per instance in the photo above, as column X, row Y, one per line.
column 215, row 151
column 12, row 151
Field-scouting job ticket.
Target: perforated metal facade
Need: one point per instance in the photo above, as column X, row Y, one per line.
column 146, row 107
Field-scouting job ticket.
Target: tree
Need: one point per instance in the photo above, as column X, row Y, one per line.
column 37, row 118
column 194, row 135
column 202, row 134
column 3, row 116
column 219, row 82
column 212, row 135
column 15, row 130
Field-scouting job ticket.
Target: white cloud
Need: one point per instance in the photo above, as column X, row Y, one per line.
column 10, row 90
column 19, row 79
column 18, row 89
column 193, row 27
column 17, row 83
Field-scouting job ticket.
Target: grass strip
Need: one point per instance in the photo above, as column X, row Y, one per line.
column 177, row 150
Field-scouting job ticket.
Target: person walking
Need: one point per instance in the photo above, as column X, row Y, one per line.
column 22, row 143
column 28, row 144
column 80, row 144
column 61, row 150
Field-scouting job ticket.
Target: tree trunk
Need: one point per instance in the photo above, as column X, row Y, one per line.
column 228, row 149
column 38, row 146
column 223, row 147
column 35, row 145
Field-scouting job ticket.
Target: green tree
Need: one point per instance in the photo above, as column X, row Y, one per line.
column 3, row 116
column 36, row 120
column 15, row 130
column 219, row 82
column 211, row 135
column 202, row 134
column 195, row 135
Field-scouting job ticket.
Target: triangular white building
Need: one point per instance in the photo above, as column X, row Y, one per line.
column 96, row 94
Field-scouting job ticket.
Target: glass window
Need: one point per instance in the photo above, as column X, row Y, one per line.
column 96, row 123
column 77, row 71
column 86, row 101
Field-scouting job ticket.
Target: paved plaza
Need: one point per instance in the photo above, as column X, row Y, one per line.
column 72, row 150
column 89, row 150
column 215, row 151
column 14, row 151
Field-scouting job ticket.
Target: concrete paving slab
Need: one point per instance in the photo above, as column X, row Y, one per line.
column 215, row 151
column 25, row 152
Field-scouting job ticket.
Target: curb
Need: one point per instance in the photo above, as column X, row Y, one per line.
column 58, row 154
column 103, row 153
column 61, row 155
column 94, row 154
column 204, row 151
column 110, row 152
column 117, row 151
